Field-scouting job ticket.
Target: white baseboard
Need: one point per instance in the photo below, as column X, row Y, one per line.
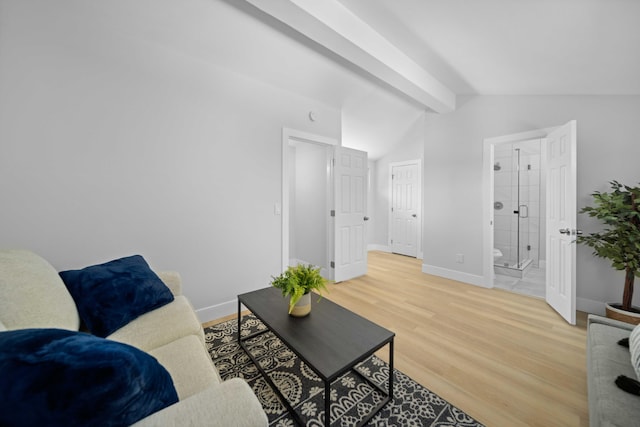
column 381, row 248
column 590, row 306
column 387, row 249
column 217, row 311
column 459, row 276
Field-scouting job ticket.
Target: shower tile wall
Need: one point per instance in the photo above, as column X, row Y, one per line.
column 506, row 192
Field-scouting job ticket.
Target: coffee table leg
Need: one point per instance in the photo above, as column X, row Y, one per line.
column 239, row 319
column 327, row 403
column 391, row 370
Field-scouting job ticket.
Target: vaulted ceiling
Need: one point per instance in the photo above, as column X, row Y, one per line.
column 383, row 63
column 530, row 47
column 409, row 56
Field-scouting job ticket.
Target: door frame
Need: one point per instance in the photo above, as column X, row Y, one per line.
column 290, row 136
column 418, row 162
column 488, row 192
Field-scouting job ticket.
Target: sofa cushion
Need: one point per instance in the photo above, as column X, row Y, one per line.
column 173, row 281
column 189, row 365
column 161, row 326
column 230, row 403
column 32, row 294
column 58, row 377
column 634, row 349
column 112, row 294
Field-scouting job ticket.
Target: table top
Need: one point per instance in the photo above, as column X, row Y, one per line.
column 331, row 339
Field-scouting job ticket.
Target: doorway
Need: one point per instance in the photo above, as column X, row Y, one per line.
column 519, row 226
column 307, row 197
column 309, row 203
column 515, row 227
column 558, row 149
column 324, row 204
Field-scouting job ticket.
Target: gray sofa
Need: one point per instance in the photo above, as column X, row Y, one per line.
column 32, row 295
column 608, row 405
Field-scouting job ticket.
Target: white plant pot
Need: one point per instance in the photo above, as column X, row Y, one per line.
column 303, row 306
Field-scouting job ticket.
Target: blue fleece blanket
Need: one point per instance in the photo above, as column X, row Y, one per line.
column 55, row 377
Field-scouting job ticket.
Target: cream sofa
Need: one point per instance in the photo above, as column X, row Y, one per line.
column 32, row 295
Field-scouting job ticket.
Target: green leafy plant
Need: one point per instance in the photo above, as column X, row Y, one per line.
column 620, row 240
column 299, row 280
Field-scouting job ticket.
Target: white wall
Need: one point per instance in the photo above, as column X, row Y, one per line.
column 112, row 145
column 309, row 205
column 608, row 129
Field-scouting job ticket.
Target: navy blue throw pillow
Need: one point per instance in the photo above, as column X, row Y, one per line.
column 110, row 295
column 56, row 377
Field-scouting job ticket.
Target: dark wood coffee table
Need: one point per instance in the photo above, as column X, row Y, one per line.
column 331, row 341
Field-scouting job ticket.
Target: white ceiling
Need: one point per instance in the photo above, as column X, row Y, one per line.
column 485, row 47
column 512, row 47
column 530, row 47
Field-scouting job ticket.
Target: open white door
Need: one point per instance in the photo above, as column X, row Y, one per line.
column 561, row 220
column 350, row 184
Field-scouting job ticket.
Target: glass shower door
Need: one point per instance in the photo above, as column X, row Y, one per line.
column 516, row 207
column 522, row 210
column 523, row 234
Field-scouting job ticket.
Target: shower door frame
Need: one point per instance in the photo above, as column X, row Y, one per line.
column 516, row 260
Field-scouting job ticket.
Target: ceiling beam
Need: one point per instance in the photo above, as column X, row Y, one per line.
column 330, row 24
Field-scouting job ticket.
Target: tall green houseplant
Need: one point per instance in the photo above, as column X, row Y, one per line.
column 620, row 240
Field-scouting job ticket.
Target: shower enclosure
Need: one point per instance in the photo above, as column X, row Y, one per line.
column 516, row 207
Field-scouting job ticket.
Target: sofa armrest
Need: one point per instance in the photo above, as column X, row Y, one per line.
column 594, row 318
column 173, row 281
column 228, row 404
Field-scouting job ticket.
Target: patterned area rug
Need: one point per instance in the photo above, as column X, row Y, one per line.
column 351, row 397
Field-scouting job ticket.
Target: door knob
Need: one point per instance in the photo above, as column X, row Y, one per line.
column 414, row 215
column 569, row 231
column 366, row 218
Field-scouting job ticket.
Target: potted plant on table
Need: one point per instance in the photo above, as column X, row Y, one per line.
column 297, row 283
column 619, row 210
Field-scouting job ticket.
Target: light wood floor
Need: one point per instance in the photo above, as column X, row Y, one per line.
column 505, row 359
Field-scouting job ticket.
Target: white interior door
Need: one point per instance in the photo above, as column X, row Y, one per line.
column 561, row 221
column 404, row 209
column 350, row 184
